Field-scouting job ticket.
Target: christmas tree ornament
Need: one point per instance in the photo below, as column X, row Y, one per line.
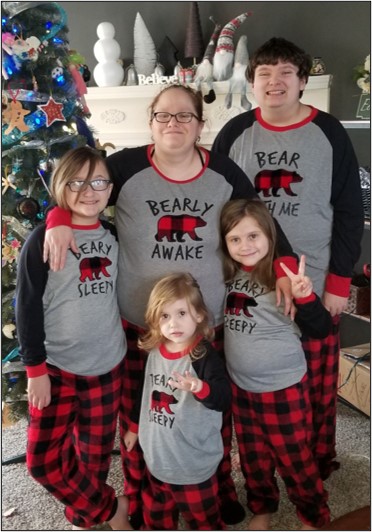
column 8, row 181
column 10, row 250
column 224, row 55
column 204, row 71
column 23, row 49
column 14, row 117
column 28, row 208
column 194, row 46
column 9, row 330
column 53, row 111
column 35, row 85
column 57, row 75
column 109, row 72
column 144, row 57
column 14, row 8
column 85, row 72
column 238, row 82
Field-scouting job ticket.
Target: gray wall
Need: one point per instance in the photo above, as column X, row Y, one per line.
column 339, row 32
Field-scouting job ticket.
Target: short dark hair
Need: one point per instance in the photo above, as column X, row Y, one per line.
column 279, row 49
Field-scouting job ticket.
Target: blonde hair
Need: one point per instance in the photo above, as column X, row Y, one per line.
column 232, row 213
column 169, row 289
column 68, row 168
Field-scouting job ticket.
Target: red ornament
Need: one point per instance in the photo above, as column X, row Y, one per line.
column 53, row 111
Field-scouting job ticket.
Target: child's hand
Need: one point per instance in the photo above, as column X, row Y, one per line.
column 130, row 440
column 188, row 383
column 38, row 391
column 302, row 285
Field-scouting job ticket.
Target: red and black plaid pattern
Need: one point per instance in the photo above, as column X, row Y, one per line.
column 70, row 442
column 174, row 228
column 133, row 462
column 322, row 361
column 273, row 431
column 198, row 504
column 273, row 180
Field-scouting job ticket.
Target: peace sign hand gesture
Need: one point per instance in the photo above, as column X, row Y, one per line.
column 302, row 285
column 186, row 382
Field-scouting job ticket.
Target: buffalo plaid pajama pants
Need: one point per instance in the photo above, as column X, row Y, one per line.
column 70, row 442
column 322, row 358
column 273, row 431
column 133, row 463
column 198, row 504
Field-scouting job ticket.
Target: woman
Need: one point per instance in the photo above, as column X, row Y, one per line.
column 168, row 197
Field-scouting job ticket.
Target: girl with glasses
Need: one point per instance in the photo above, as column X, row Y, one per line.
column 168, row 196
column 73, row 346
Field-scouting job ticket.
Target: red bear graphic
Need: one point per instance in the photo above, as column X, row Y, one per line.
column 235, row 303
column 92, row 267
column 160, row 400
column 174, row 228
column 276, row 179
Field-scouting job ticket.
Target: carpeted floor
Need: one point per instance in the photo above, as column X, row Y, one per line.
column 32, row 508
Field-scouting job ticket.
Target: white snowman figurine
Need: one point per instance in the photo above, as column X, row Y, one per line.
column 109, row 72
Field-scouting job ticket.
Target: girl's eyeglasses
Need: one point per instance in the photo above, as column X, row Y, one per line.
column 182, row 118
column 96, row 184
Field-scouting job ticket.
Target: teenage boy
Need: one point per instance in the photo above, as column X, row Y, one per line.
column 302, row 163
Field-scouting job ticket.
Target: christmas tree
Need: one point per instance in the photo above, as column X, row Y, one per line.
column 194, row 46
column 43, row 116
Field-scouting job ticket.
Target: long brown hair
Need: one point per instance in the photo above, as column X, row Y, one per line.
column 232, row 213
column 168, row 289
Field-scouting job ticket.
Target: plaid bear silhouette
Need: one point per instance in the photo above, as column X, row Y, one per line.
column 276, row 179
column 92, row 267
column 174, row 228
column 237, row 303
column 160, row 400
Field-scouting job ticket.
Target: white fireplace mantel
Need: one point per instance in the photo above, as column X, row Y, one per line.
column 120, row 115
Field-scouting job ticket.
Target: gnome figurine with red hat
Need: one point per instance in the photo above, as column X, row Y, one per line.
column 224, row 56
column 204, row 71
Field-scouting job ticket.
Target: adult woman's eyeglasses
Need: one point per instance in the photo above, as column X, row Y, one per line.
column 182, row 118
column 96, row 184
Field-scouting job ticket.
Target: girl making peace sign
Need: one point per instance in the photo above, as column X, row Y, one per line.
column 267, row 366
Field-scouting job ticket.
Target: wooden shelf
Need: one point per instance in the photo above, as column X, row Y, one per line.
column 356, row 124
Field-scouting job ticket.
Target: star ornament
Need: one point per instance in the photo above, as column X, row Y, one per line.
column 52, row 111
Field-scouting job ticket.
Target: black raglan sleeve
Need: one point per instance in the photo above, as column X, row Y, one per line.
column 32, row 275
column 313, row 318
column 211, row 369
column 346, row 198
